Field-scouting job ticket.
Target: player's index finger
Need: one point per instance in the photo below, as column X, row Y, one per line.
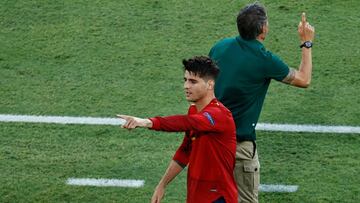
column 303, row 18
column 121, row 116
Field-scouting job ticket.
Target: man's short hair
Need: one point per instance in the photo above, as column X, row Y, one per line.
column 201, row 66
column 251, row 20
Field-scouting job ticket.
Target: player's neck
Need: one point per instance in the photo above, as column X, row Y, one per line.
column 201, row 103
column 260, row 39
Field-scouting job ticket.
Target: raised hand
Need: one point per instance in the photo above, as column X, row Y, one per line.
column 305, row 30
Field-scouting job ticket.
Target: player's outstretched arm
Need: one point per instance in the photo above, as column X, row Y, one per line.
column 171, row 172
column 302, row 76
column 134, row 122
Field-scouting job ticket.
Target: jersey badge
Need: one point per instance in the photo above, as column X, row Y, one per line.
column 208, row 116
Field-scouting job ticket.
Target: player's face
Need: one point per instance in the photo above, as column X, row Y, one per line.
column 194, row 86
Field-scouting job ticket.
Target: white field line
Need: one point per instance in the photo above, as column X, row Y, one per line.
column 140, row 183
column 105, row 182
column 117, row 121
column 61, row 119
column 307, row 128
column 278, row 188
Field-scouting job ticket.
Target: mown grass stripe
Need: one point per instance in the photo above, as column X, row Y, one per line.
column 117, row 121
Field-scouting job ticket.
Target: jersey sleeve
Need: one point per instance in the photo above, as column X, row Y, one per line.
column 207, row 121
column 182, row 154
column 277, row 69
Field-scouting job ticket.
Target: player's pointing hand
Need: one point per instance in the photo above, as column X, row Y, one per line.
column 134, row 122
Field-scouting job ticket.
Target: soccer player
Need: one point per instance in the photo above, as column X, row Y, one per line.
column 246, row 69
column 209, row 144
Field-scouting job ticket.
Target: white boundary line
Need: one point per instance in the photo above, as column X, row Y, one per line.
column 117, row 121
column 278, row 188
column 307, row 128
column 140, row 183
column 61, row 119
column 105, row 182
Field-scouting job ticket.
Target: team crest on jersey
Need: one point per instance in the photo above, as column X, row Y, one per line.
column 208, row 116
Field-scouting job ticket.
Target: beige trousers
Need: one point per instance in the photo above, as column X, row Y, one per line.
column 247, row 172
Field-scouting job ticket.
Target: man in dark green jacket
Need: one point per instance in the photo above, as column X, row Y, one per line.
column 246, row 69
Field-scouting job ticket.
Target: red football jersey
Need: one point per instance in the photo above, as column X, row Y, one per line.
column 208, row 148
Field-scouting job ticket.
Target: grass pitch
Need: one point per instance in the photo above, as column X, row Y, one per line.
column 100, row 58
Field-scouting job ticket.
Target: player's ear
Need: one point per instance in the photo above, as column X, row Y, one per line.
column 265, row 28
column 211, row 84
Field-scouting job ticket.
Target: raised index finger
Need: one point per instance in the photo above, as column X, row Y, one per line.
column 123, row 116
column 303, row 18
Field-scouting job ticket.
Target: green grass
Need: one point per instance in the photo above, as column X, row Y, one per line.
column 100, row 58
column 36, row 165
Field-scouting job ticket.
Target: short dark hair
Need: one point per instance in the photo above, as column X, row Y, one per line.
column 251, row 20
column 201, row 66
